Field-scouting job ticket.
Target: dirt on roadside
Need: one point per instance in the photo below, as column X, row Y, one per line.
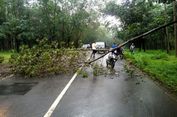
column 5, row 70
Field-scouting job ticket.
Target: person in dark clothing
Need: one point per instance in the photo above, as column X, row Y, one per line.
column 119, row 52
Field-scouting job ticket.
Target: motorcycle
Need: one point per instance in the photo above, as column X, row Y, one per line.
column 119, row 53
column 112, row 58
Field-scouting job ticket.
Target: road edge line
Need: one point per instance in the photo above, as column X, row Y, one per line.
column 58, row 99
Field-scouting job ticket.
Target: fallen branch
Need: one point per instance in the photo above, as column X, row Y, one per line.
column 134, row 38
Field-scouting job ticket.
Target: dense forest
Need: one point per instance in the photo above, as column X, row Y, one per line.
column 139, row 16
column 69, row 22
column 74, row 22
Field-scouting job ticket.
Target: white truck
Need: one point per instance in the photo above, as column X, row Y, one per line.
column 85, row 46
column 101, row 47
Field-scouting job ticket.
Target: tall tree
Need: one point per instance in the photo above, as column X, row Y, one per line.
column 174, row 19
column 175, row 25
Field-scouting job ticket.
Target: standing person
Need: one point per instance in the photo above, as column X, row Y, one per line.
column 132, row 48
column 93, row 50
column 119, row 52
column 114, row 46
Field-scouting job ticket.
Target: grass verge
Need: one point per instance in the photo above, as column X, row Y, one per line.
column 158, row 64
column 6, row 55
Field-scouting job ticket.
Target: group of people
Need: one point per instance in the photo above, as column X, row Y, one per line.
column 118, row 51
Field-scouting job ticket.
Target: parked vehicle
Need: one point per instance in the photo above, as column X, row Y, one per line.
column 85, row 46
column 101, row 47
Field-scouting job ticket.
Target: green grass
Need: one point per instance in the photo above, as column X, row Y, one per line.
column 6, row 55
column 158, row 64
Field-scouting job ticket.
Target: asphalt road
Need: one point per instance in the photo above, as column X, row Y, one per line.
column 36, row 101
column 111, row 95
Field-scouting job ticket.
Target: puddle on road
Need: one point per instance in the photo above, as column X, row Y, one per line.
column 18, row 88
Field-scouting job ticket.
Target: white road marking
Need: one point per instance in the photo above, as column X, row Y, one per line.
column 58, row 99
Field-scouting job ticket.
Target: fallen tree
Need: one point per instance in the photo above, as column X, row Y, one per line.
column 132, row 39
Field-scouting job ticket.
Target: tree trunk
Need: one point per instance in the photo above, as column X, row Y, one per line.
column 174, row 18
column 143, row 44
column 54, row 21
column 166, row 29
column 63, row 30
column 17, row 45
column 1, row 45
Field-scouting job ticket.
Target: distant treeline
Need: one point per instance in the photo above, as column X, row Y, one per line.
column 70, row 23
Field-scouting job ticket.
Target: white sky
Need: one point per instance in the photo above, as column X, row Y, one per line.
column 112, row 20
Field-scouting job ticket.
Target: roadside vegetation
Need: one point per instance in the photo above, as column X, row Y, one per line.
column 158, row 64
column 5, row 67
column 42, row 59
column 5, row 56
column 45, row 58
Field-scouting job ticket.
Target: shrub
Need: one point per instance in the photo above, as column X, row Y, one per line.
column 45, row 58
column 83, row 73
column 128, row 55
column 145, row 60
column 163, row 56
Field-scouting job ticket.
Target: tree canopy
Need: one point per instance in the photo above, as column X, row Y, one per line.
column 138, row 16
column 69, row 22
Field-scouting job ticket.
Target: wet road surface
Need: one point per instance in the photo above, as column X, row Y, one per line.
column 111, row 95
column 116, row 95
column 32, row 103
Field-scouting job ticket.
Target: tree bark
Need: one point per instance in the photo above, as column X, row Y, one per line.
column 17, row 45
column 143, row 45
column 166, row 29
column 174, row 18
